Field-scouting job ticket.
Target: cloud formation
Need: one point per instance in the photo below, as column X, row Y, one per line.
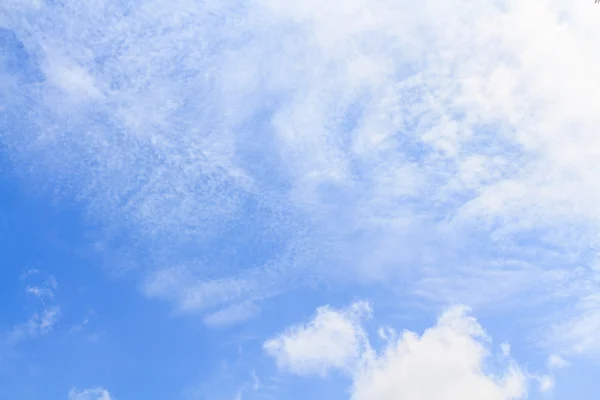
column 332, row 340
column 46, row 311
column 449, row 360
column 90, row 394
column 365, row 142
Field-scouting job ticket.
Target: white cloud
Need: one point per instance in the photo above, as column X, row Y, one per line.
column 48, row 318
column 332, row 340
column 575, row 330
column 448, row 360
column 557, row 362
column 546, row 383
column 46, row 315
column 256, row 382
column 229, row 299
column 389, row 134
column 505, row 348
column 231, row 315
column 38, row 324
column 90, row 394
column 71, row 79
column 40, row 292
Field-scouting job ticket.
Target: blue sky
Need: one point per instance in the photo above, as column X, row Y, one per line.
column 268, row 199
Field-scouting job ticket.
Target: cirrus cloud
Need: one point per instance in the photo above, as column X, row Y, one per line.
column 90, row 394
column 364, row 142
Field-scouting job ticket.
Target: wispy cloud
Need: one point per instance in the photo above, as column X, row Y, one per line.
column 46, row 312
column 439, row 141
column 90, row 394
column 232, row 314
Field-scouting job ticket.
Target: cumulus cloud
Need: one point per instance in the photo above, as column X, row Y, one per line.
column 90, row 394
column 332, row 340
column 449, row 360
column 376, row 137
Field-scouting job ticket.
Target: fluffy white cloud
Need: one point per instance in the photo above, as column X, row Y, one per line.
column 90, row 394
column 448, row 360
column 332, row 340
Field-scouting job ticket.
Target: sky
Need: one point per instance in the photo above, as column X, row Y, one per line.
column 281, row 199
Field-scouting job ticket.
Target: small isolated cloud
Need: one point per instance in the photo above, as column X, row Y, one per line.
column 40, row 292
column 556, row 362
column 46, row 320
column 505, row 348
column 447, row 361
column 38, row 324
column 332, row 340
column 256, row 382
column 546, row 383
column 47, row 312
column 90, row 394
column 231, row 315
